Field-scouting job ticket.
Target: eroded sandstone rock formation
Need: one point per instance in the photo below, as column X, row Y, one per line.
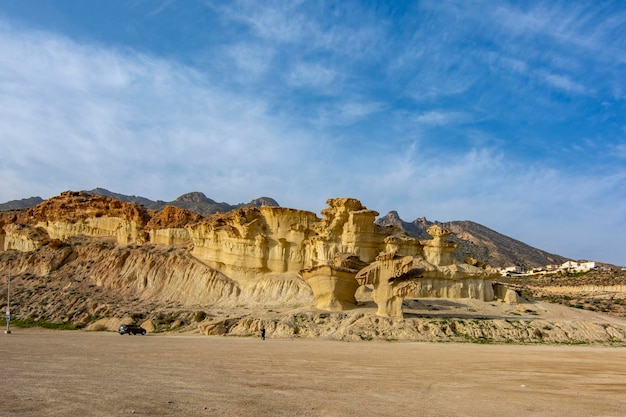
column 267, row 253
column 79, row 213
column 391, row 278
column 251, row 240
column 334, row 286
column 406, row 271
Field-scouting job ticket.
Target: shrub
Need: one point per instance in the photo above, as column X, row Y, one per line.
column 199, row 316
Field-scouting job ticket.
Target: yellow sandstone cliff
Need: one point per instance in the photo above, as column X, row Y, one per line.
column 264, row 253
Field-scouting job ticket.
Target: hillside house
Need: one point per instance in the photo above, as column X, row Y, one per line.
column 510, row 270
column 573, row 266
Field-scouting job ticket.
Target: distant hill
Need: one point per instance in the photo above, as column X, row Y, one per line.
column 478, row 242
column 194, row 201
column 21, row 204
column 147, row 203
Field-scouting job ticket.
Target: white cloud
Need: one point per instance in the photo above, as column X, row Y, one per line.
column 562, row 82
column 537, row 204
column 581, row 30
column 440, row 118
column 512, row 64
column 442, row 74
column 619, row 150
column 78, row 116
column 346, row 112
column 253, row 60
column 278, row 21
column 160, row 8
column 314, row 76
column 301, row 28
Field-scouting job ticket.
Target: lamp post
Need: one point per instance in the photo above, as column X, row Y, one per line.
column 8, row 312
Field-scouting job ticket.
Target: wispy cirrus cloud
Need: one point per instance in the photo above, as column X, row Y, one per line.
column 619, row 150
column 344, row 113
column 573, row 25
column 315, row 76
column 441, row 118
column 278, row 21
column 252, row 60
column 563, row 82
column 350, row 30
column 77, row 114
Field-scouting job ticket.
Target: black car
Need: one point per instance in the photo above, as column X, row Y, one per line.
column 131, row 329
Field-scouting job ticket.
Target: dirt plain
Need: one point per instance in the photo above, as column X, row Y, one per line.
column 80, row 373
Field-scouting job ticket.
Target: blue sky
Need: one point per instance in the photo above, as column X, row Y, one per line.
column 509, row 114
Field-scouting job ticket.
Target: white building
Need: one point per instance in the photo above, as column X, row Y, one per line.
column 573, row 266
column 508, row 270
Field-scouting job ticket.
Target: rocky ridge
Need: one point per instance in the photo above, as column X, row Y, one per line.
column 479, row 242
column 194, row 201
column 24, row 203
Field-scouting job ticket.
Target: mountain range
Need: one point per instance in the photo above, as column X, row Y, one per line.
column 478, row 242
column 193, row 201
column 475, row 241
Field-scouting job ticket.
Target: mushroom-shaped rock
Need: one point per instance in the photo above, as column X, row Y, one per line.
column 334, row 285
column 438, row 251
column 392, row 278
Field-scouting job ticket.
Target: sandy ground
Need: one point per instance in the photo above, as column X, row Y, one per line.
column 78, row 373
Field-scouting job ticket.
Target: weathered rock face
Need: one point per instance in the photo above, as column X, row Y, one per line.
column 124, row 231
column 83, row 214
column 334, row 288
column 505, row 294
column 391, row 278
column 160, row 274
column 347, row 227
column 79, row 213
column 439, row 251
column 433, row 273
column 73, row 206
column 170, row 237
column 478, row 288
column 23, row 237
column 172, row 218
column 271, row 290
column 251, row 241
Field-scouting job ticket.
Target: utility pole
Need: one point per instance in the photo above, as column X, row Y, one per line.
column 8, row 313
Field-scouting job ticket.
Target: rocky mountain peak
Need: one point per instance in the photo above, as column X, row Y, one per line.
column 21, row 204
column 195, row 197
column 263, row 201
